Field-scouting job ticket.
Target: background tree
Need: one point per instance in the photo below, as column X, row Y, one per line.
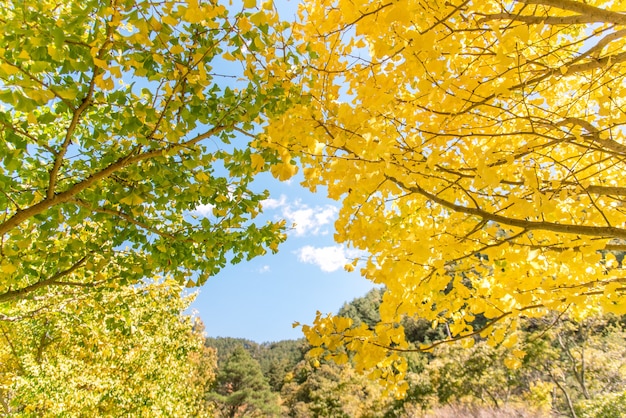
column 364, row 309
column 478, row 151
column 129, row 352
column 241, row 390
column 582, row 361
column 333, row 391
column 276, row 359
column 279, row 359
column 116, row 124
column 225, row 346
column 204, row 365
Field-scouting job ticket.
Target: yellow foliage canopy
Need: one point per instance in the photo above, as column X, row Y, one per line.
column 478, row 150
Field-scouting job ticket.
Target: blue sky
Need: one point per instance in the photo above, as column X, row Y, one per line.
column 260, row 299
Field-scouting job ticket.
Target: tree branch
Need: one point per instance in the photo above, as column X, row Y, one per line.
column 15, row 294
column 131, row 158
column 602, row 15
column 458, row 337
column 124, row 216
column 78, row 112
column 540, row 20
column 598, row 231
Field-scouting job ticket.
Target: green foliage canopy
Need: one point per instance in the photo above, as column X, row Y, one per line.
column 115, row 125
column 129, row 352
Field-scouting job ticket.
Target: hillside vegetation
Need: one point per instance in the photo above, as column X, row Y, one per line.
column 571, row 368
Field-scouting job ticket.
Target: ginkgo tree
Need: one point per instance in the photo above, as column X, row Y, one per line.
column 120, row 118
column 478, row 150
column 129, row 352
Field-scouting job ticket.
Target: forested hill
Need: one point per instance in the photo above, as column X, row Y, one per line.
column 275, row 358
column 569, row 368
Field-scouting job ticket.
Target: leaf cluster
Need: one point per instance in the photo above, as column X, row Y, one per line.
column 477, row 149
column 116, row 127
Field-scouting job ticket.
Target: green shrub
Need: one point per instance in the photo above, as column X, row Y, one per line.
column 611, row 405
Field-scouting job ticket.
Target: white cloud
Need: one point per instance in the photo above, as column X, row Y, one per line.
column 264, row 269
column 274, row 203
column 328, row 259
column 310, row 220
column 203, row 210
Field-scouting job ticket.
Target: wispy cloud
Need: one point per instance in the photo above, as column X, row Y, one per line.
column 264, row 269
column 328, row 259
column 269, row 204
column 307, row 220
column 310, row 220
